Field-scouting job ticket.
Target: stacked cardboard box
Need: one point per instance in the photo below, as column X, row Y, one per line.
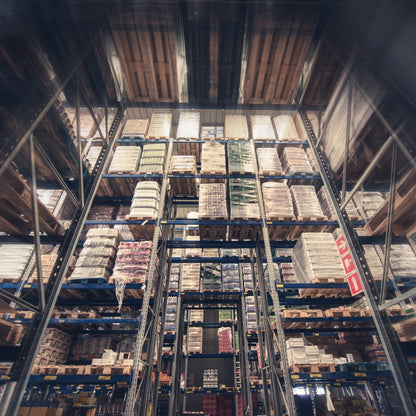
column 368, row 203
column 211, row 272
column 373, row 260
column 196, row 315
column 54, row 347
column 48, row 259
column 213, row 158
column 275, row 272
column 99, row 213
column 212, row 201
column 50, row 198
column 287, row 272
column 315, row 256
column 230, row 277
column 174, row 277
column 328, row 209
column 247, row 278
column 312, row 160
column 300, row 354
column 306, row 202
column 225, row 315
column 171, row 312
column 183, row 164
column 109, row 357
column 92, row 155
column 96, row 260
column 251, row 314
column 160, row 125
column 92, row 346
column 188, row 125
column 268, row 161
column 243, row 199
column 153, row 158
column 135, row 127
column 125, row 159
column 295, row 161
column 240, row 158
column 236, row 127
column 225, row 340
column 15, row 261
column 212, row 132
column 194, row 340
column 132, row 262
column 286, row 129
column 191, row 277
column 402, row 261
column 277, row 200
column 262, row 128
column 193, row 252
column 145, row 202
column 192, row 229
column 375, row 352
column 210, row 378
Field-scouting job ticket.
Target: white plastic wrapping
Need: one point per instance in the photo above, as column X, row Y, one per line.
column 236, row 127
column 153, row 158
column 160, row 125
column 212, row 200
column 14, row 259
column 212, row 132
column 135, row 127
column 286, row 129
column 180, row 163
column 125, row 159
column 295, row 161
column 243, row 199
column 277, row 200
column 305, row 202
column 188, row 125
column 268, row 161
column 262, row 128
column 213, row 158
column 145, row 202
column 368, row 203
column 240, row 157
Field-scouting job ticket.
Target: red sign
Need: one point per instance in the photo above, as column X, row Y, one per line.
column 348, row 263
column 354, row 284
column 342, row 245
column 258, row 355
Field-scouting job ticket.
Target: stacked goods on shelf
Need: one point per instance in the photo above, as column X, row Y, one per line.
column 268, row 161
column 251, row 314
column 286, row 129
column 402, row 262
column 236, row 127
column 160, row 125
column 209, row 405
column 247, row 277
column 306, row 203
column 123, row 229
column 171, row 311
column 244, row 203
column 11, row 335
column 132, row 262
column 368, row 203
column 190, row 277
column 192, row 229
column 135, row 127
column 375, row 352
column 287, row 272
column 96, row 259
column 240, row 158
column 145, row 202
column 153, row 158
column 196, row 315
column 225, row 315
column 225, row 340
column 89, row 347
column 212, row 132
column 15, row 261
column 373, row 260
column 210, row 378
column 277, row 201
column 188, row 125
column 87, row 124
column 125, row 160
column 174, row 277
column 308, row 358
column 329, row 210
column 230, row 277
column 275, row 272
column 211, row 273
column 54, row 347
column 312, row 161
column 50, row 198
column 295, row 161
column 262, row 128
column 213, row 158
column 193, row 252
column 185, row 165
column 48, row 259
column 194, row 340
column 92, row 155
column 99, row 213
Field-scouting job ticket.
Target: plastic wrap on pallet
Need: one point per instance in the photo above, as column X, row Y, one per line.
column 225, row 340
column 160, row 125
column 145, row 202
column 92, row 155
column 123, row 229
column 277, row 200
column 328, row 208
column 274, row 273
column 262, row 128
column 211, row 276
column 188, row 125
column 295, row 161
column 312, row 160
column 402, row 261
column 125, row 159
column 368, row 203
column 180, row 163
column 153, row 158
column 315, row 255
column 287, row 273
column 240, row 157
column 14, row 260
column 213, row 158
column 243, row 199
column 286, row 129
column 268, row 161
column 135, row 127
column 225, row 315
column 193, row 252
column 194, row 340
column 196, row 315
column 191, row 273
column 99, row 213
column 300, row 354
column 212, row 200
column 373, row 260
column 236, row 127
column 230, row 277
column 212, row 132
column 305, row 202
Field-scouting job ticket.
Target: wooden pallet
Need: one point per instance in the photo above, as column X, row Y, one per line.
column 213, row 180
column 271, row 173
column 189, row 148
column 243, row 232
column 312, row 368
column 142, row 231
column 325, row 292
column 298, row 230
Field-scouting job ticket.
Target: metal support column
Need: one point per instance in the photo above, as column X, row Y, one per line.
column 22, row 367
column 388, row 337
column 347, row 143
column 81, row 174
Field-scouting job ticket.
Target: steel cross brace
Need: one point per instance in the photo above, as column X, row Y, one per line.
column 387, row 335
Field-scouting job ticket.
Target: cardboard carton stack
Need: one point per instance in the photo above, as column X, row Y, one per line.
column 50, row 198
column 230, row 277
column 277, row 200
column 212, row 201
column 225, row 340
column 210, row 378
column 181, row 186
column 97, row 257
column 240, row 158
column 295, row 161
column 123, row 229
column 99, row 213
column 15, row 261
column 209, row 405
column 171, row 311
column 286, row 129
column 48, row 259
column 188, row 125
column 225, row 315
column 212, row 132
column 196, row 315
column 125, row 160
column 262, row 128
column 243, row 199
column 211, row 275
column 236, row 127
column 312, row 160
column 194, row 340
column 135, row 127
column 160, row 125
column 368, row 203
column 145, row 202
column 213, row 158
column 329, row 210
column 174, row 277
column 191, row 277
column 268, row 161
column 54, row 347
column 287, row 272
column 251, row 314
column 153, row 158
column 92, row 155
column 247, row 278
column 193, row 252
column 402, row 261
column 373, row 260
column 91, row 346
column 300, row 354
column 306, row 203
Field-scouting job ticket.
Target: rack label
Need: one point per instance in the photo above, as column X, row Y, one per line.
column 104, row 378
column 49, row 378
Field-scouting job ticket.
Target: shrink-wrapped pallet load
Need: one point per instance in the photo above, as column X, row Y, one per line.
column 306, row 203
column 277, row 201
column 125, row 160
column 213, row 158
column 171, row 312
column 160, row 125
column 315, row 256
column 268, row 161
column 210, row 378
column 92, row 155
column 193, row 252
column 211, row 276
column 312, row 161
column 123, row 229
column 135, row 127
column 286, row 129
column 212, row 201
column 181, row 186
column 212, row 132
column 251, row 313
column 244, row 201
column 225, row 341
column 402, row 261
column 194, row 340
column 188, row 125
column 153, row 158
column 372, row 255
column 191, row 273
column 54, row 347
column 295, row 161
column 145, row 202
column 230, row 277
column 15, row 261
column 328, row 208
column 262, row 128
column 236, row 127
column 240, row 158
column 96, row 259
column 368, row 203
column 51, row 198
